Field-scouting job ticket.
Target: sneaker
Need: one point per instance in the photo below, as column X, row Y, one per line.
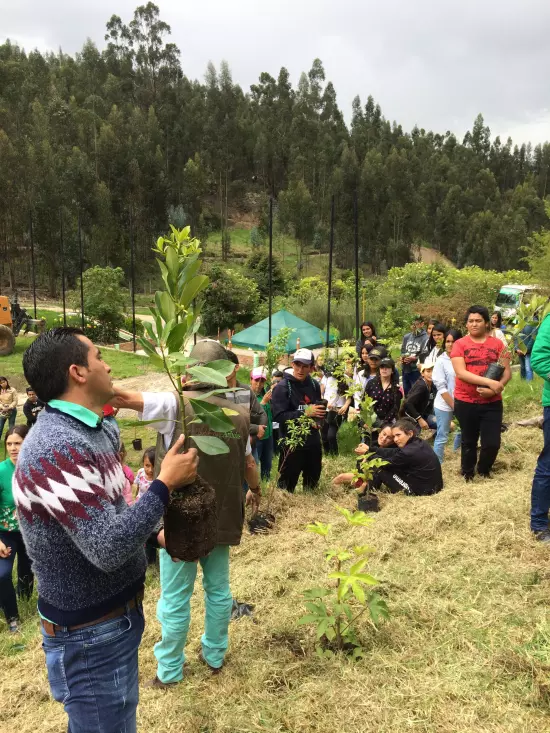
column 214, row 670
column 13, row 626
column 543, row 536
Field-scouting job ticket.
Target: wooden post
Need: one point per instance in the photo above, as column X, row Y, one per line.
column 330, row 253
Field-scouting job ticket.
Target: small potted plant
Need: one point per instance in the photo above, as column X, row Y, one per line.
column 367, row 464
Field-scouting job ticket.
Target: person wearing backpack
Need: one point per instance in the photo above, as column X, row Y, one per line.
column 297, row 394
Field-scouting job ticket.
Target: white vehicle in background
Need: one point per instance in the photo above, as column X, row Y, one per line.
column 511, row 297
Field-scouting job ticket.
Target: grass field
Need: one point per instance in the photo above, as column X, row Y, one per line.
column 467, row 648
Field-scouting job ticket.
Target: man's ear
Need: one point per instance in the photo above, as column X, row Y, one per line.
column 77, row 375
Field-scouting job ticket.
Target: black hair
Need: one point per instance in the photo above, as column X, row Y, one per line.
column 21, row 430
column 47, row 361
column 371, row 325
column 480, row 310
column 150, row 454
column 454, row 332
column 232, row 356
column 5, row 379
column 437, row 326
column 498, row 314
column 29, row 389
column 406, row 425
column 277, row 374
column 384, row 425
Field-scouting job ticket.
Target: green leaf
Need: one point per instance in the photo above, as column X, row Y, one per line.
column 149, row 330
column 222, row 366
column 176, row 339
column 212, row 415
column 229, row 411
column 154, row 358
column 366, row 579
column 182, row 360
column 192, row 289
column 378, row 608
column 172, row 264
column 317, row 592
column 207, row 376
column 166, row 330
column 358, row 592
column 210, row 445
column 165, row 305
column 319, row 528
column 322, row 627
column 330, row 633
column 310, row 619
column 358, row 566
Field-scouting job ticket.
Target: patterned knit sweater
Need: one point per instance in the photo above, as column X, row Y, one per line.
column 85, row 543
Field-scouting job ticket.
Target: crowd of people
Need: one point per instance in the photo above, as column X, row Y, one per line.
column 84, row 527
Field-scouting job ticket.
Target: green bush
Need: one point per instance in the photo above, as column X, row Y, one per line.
column 104, row 301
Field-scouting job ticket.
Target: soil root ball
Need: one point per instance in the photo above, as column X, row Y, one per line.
column 191, row 521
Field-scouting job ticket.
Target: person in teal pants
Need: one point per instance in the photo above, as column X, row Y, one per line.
column 225, row 473
column 174, row 611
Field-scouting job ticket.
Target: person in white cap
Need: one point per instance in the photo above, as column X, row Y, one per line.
column 263, row 447
column 420, row 400
column 295, row 395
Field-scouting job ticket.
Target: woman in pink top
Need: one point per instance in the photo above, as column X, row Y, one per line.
column 477, row 399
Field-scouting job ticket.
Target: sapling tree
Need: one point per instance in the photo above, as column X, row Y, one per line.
column 176, row 315
column 275, row 351
column 336, row 609
column 368, row 463
column 190, row 521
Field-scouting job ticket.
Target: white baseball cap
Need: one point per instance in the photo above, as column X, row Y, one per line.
column 304, row 356
column 258, row 373
column 427, row 365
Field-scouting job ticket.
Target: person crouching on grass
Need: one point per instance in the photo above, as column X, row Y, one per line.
column 384, row 440
column 413, row 467
column 478, row 400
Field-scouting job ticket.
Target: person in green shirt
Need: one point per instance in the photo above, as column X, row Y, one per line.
column 11, row 541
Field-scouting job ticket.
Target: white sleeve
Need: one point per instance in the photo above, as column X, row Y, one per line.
column 439, row 377
column 248, row 451
column 161, row 406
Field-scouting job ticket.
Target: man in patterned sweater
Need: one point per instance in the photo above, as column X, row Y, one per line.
column 85, row 543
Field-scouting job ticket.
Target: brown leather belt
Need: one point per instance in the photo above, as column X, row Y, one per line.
column 50, row 628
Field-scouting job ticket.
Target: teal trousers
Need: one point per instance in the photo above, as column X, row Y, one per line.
column 177, row 581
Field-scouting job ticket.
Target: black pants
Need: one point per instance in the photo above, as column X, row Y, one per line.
column 329, row 434
column 396, row 481
column 8, row 597
column 305, row 461
column 479, row 422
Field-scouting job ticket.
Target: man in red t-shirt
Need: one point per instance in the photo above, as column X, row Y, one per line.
column 478, row 400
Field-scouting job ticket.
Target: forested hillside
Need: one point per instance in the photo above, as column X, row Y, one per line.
column 121, row 138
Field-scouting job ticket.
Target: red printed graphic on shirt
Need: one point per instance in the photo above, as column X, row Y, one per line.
column 477, row 357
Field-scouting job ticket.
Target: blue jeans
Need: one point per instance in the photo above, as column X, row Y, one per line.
column 94, row 673
column 540, row 491
column 10, row 419
column 177, row 582
column 525, row 367
column 263, row 454
column 443, row 420
column 409, row 378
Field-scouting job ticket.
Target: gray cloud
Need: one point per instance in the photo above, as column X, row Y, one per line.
column 435, row 63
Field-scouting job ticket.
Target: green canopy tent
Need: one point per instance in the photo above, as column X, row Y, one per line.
column 257, row 336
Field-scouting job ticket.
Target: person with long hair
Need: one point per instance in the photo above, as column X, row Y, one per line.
column 413, row 468
column 384, row 389
column 496, row 327
column 418, row 405
column 8, row 404
column 368, row 337
column 11, row 541
column 436, row 342
column 444, row 404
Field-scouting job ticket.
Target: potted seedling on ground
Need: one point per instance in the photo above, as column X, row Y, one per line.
column 368, row 463
column 296, row 436
column 191, row 517
column 335, row 610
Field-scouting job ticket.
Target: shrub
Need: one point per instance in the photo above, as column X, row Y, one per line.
column 103, row 300
column 230, row 298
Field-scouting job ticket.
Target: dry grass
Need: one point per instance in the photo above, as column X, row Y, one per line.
column 467, row 648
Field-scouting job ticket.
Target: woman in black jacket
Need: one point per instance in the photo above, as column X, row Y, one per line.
column 384, row 388
column 413, row 467
column 419, row 402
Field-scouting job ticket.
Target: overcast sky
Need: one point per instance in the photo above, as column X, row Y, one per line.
column 435, row 63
